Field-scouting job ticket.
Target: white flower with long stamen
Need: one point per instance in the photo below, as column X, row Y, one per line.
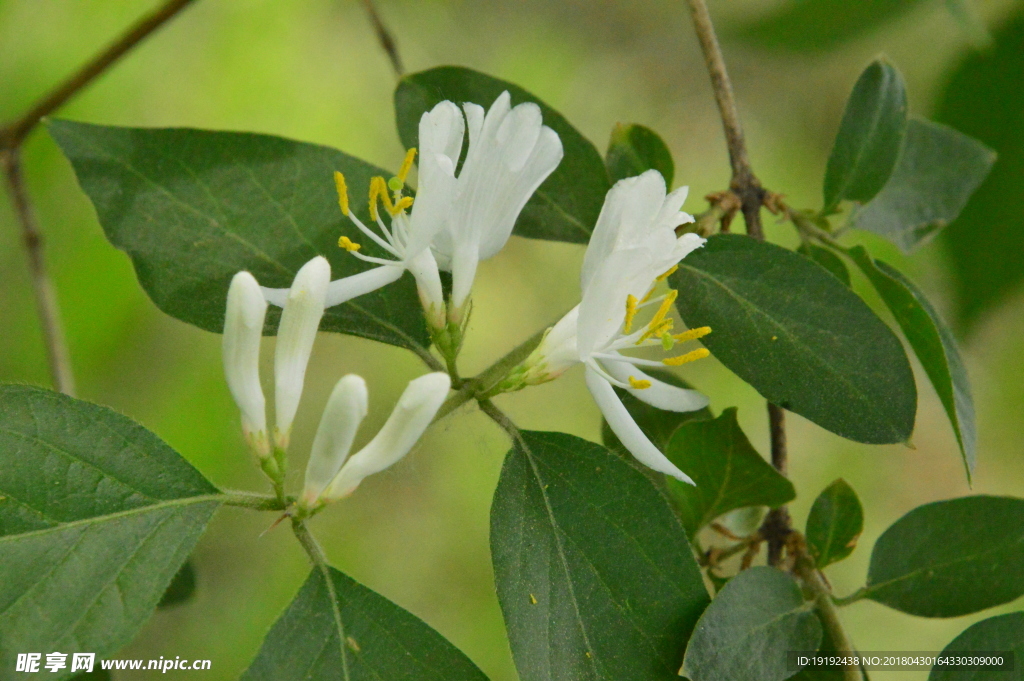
column 300, row 319
column 331, row 473
column 634, row 247
column 243, row 330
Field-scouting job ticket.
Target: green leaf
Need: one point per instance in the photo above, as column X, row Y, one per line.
column 799, row 336
column 727, row 471
column 933, row 343
column 827, row 259
column 182, row 587
column 834, row 524
column 594, row 574
column 566, row 206
column 937, row 171
column 94, row 675
column 818, row 25
column 657, row 424
column 869, row 137
column 634, row 149
column 1002, row 633
column 193, row 207
column 983, row 246
column 823, row 673
column 336, row 628
column 747, row 629
column 951, row 558
column 96, row 516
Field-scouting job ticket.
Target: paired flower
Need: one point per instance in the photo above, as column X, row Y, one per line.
column 633, row 248
column 454, row 222
column 331, row 474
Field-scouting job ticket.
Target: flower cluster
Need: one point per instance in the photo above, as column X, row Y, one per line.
column 459, row 217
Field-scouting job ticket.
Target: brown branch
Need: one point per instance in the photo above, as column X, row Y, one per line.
column 13, row 134
column 387, row 40
column 57, row 354
column 744, row 183
column 11, row 138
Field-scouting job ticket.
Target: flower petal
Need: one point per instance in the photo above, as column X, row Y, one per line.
column 626, row 429
column 661, row 395
column 295, row 335
column 415, row 410
column 345, row 410
column 243, row 329
column 345, row 289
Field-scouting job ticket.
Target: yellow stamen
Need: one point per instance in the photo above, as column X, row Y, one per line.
column 666, row 305
column 648, row 296
column 402, row 204
column 664, row 327
column 692, row 334
column 638, row 385
column 339, row 182
column 692, row 356
column 376, row 186
column 665, row 275
column 631, row 306
column 348, row 244
column 403, row 172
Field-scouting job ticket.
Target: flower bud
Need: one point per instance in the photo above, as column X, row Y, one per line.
column 243, row 328
column 345, row 410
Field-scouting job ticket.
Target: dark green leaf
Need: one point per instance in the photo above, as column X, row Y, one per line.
column 827, row 259
column 933, row 343
column 937, row 171
column 834, row 524
column 1002, row 633
column 657, row 424
column 182, row 587
column 95, row 675
column 339, row 629
column 566, row 206
column 193, row 207
column 819, row 25
column 823, row 672
column 594, row 574
column 747, row 629
column 800, row 337
column 869, row 137
column 982, row 99
column 634, row 149
column 96, row 516
column 727, row 470
column 951, row 558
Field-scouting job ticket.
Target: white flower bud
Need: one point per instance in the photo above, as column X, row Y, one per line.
column 243, row 328
column 415, row 410
column 300, row 320
column 345, row 410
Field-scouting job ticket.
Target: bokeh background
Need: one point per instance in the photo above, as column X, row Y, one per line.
column 312, row 70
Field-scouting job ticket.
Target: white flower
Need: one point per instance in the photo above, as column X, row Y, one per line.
column 300, row 319
column 331, row 474
column 632, row 249
column 243, row 329
column 510, row 154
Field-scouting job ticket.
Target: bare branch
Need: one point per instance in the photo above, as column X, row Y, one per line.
column 387, row 40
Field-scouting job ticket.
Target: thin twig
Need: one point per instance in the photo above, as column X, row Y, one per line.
column 777, row 522
column 57, row 354
column 827, row 612
column 744, row 182
column 11, row 138
column 387, row 40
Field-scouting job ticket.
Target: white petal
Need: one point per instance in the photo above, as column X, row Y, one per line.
column 243, row 329
column 415, row 410
column 464, row 263
column 603, row 307
column 557, row 351
column 661, row 395
column 428, row 284
column 441, row 133
column 671, row 215
column 345, row 410
column 345, row 289
column 474, row 119
column 295, row 335
column 626, row 429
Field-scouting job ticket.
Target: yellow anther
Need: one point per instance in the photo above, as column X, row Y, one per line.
column 402, row 204
column 692, row 356
column 631, row 307
column 348, row 244
column 403, row 172
column 692, row 334
column 339, row 182
column 376, row 186
column 664, row 327
column 638, row 385
column 666, row 305
column 665, row 275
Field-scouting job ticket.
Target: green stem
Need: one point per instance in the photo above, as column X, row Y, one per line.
column 256, row 502
column 828, row 613
column 852, row 598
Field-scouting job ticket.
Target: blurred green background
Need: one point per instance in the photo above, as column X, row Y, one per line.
column 312, row 70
